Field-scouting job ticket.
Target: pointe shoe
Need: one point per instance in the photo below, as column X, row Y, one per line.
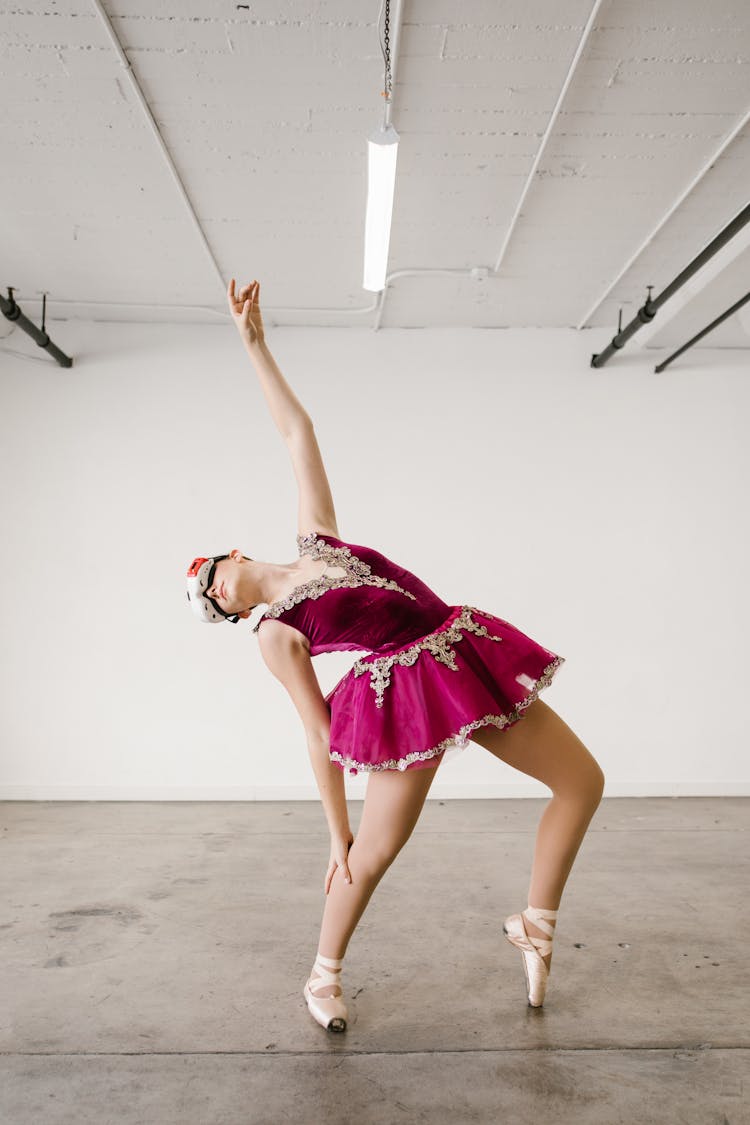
column 329, row 1011
column 533, row 949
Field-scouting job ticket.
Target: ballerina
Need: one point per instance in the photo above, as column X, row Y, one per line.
column 433, row 675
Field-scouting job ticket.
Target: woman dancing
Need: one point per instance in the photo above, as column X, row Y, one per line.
column 432, row 676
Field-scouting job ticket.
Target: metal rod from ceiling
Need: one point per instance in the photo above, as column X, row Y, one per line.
column 704, row 332
column 649, row 310
column 12, row 311
column 395, row 38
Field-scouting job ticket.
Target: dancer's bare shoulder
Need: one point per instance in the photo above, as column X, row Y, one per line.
column 289, row 661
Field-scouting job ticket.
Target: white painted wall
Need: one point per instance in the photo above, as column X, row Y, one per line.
column 603, row 512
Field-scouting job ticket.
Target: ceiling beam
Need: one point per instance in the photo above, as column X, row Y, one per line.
column 125, row 61
column 548, row 131
column 666, row 217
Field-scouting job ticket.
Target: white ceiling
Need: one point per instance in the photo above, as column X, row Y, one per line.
column 236, row 146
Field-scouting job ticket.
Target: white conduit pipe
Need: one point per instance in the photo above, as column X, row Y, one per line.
column 223, row 314
column 665, row 219
column 550, row 126
column 380, row 299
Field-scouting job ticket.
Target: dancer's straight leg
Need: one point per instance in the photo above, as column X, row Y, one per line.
column 393, row 802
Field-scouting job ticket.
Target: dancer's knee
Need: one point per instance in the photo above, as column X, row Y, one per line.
column 592, row 784
column 374, row 859
column 582, row 786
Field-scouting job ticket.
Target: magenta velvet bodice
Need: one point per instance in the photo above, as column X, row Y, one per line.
column 375, row 607
column 432, row 673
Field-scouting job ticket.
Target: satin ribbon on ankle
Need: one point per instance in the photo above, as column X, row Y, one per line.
column 539, row 915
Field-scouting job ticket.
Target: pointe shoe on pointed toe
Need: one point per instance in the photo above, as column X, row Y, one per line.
column 329, row 1011
column 533, row 949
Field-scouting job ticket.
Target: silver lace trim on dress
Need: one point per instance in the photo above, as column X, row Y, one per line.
column 459, row 737
column 317, row 548
column 358, row 574
column 438, row 644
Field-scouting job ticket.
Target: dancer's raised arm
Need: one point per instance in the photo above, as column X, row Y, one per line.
column 316, row 510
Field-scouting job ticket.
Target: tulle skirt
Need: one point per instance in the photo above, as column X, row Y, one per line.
column 406, row 707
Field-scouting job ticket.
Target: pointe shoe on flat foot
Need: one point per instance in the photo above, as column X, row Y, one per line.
column 533, row 949
column 329, row 1011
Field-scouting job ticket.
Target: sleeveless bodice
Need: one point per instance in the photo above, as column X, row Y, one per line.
column 431, row 673
column 375, row 606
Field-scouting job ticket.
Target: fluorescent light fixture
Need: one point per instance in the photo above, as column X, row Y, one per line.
column 382, row 150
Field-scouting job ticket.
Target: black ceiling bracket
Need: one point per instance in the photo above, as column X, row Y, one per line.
column 649, row 310
column 12, row 311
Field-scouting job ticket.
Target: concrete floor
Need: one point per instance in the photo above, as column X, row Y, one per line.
column 152, row 957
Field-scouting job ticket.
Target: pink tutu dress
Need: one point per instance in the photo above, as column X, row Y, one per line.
column 432, row 673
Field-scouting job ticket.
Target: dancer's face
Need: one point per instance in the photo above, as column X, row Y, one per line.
column 226, row 587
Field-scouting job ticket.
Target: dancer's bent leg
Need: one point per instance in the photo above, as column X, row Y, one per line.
column 543, row 746
column 393, row 802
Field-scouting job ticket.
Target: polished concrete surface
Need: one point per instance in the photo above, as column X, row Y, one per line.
column 152, row 957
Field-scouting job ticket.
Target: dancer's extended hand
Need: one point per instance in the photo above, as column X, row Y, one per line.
column 245, row 310
column 339, row 851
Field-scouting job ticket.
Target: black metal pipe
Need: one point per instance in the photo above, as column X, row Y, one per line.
column 12, row 311
column 649, row 310
column 709, row 327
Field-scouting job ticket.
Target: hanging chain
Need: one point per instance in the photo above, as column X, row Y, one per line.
column 387, row 54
